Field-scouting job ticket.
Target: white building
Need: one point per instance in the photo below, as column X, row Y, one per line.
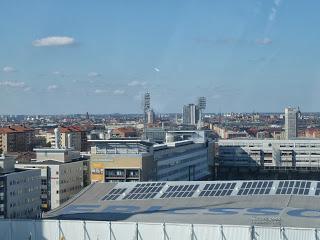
column 62, row 175
column 19, row 191
column 270, row 152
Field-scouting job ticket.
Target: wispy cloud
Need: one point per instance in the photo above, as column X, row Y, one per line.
column 136, row 83
column 156, row 69
column 56, row 73
column 233, row 41
column 8, row 69
column 118, row 92
column 274, row 9
column 27, row 89
column 13, row 84
column 52, row 87
column 264, row 41
column 53, row 41
column 100, row 91
column 93, row 74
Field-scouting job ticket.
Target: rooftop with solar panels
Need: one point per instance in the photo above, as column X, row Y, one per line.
column 290, row 202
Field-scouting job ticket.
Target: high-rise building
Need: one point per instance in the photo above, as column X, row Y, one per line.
column 150, row 117
column 190, row 114
column 291, row 119
column 146, row 102
column 202, row 103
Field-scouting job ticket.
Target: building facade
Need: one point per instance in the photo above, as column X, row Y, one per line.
column 16, row 138
column 269, row 152
column 63, row 174
column 19, row 191
column 136, row 160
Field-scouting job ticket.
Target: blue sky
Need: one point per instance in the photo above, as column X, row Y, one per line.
column 75, row 56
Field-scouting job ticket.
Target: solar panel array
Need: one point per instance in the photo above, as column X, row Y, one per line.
column 253, row 188
column 162, row 190
column 180, row 191
column 217, row 189
column 144, row 191
column 114, row 194
column 296, row 188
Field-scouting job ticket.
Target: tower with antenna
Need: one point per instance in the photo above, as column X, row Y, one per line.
column 146, row 108
column 202, row 104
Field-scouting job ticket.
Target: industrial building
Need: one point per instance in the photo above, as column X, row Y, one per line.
column 19, row 191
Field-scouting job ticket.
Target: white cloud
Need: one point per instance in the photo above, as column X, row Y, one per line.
column 100, row 91
column 12, row 84
column 156, row 69
column 53, row 41
column 93, row 74
column 52, row 87
column 136, row 83
column 118, row 92
column 56, row 73
column 27, row 89
column 8, row 69
column 264, row 41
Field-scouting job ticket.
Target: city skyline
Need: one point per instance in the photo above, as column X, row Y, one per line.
column 100, row 57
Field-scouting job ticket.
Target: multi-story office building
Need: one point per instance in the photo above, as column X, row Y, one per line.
column 63, row 174
column 269, row 152
column 291, row 119
column 19, row 191
column 16, row 138
column 190, row 114
column 137, row 160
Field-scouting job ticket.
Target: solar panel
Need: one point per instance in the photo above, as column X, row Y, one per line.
column 294, row 187
column 114, row 194
column 180, row 191
column 254, row 188
column 317, row 192
column 145, row 191
column 217, row 189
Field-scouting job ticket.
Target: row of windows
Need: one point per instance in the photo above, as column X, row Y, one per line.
column 23, row 190
column 24, row 180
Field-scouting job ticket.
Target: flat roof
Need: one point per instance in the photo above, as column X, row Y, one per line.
column 289, row 203
column 123, row 141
